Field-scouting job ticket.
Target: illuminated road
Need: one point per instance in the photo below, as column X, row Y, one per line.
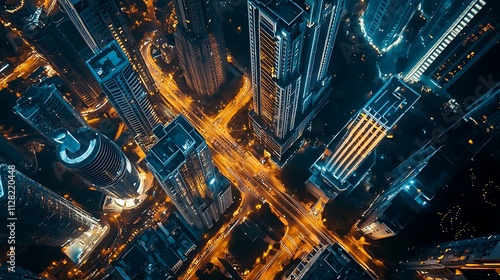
column 253, row 177
column 242, row 97
column 23, row 70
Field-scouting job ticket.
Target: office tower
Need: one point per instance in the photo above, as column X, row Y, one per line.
column 458, row 34
column 99, row 162
column 457, row 259
column 407, row 193
column 182, row 163
column 100, row 22
column 11, row 154
column 45, row 35
column 46, row 110
column 290, row 51
column 323, row 21
column 125, row 92
column 200, row 45
column 75, row 18
column 385, row 20
column 349, row 156
column 43, row 217
column 276, row 39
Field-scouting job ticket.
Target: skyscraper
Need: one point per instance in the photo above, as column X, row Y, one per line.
column 323, row 21
column 99, row 162
column 348, row 156
column 125, row 92
column 200, row 45
column 100, row 22
column 45, row 217
column 45, row 109
column 458, row 34
column 407, row 193
column 456, row 259
column 385, row 20
column 45, row 35
column 81, row 27
column 290, row 51
column 182, row 163
column 276, row 41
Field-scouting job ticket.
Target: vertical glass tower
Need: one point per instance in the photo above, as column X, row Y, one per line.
column 99, row 162
column 200, row 45
column 182, row 163
column 125, row 92
column 53, row 220
column 290, row 51
column 354, row 144
column 46, row 110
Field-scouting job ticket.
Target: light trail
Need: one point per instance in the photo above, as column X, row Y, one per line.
column 243, row 168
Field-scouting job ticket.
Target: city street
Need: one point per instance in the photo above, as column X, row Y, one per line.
column 235, row 163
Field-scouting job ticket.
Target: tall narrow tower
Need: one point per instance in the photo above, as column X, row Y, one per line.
column 182, row 163
column 200, row 45
column 337, row 169
column 125, row 92
column 45, row 217
column 277, row 32
column 323, row 22
column 101, row 21
column 290, row 51
column 45, row 109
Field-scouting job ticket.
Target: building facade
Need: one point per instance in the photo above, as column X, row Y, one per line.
column 99, row 22
column 457, row 35
column 182, row 163
column 290, row 51
column 323, row 21
column 200, row 45
column 453, row 260
column 45, row 217
column 125, row 92
column 393, row 209
column 349, row 156
column 276, row 41
column 98, row 162
column 46, row 110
